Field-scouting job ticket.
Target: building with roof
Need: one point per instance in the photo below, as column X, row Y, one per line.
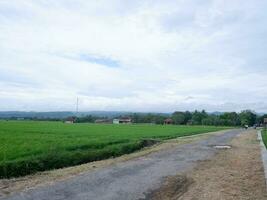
column 168, row 121
column 122, row 121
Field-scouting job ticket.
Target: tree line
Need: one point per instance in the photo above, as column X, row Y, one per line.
column 246, row 117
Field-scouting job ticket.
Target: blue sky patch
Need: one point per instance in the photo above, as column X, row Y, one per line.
column 99, row 60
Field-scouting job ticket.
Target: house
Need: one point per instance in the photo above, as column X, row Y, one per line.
column 190, row 122
column 122, row 121
column 69, row 120
column 168, row 121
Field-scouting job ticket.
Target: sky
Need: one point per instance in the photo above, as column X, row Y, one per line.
column 133, row 55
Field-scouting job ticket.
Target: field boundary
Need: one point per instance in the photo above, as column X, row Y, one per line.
column 263, row 154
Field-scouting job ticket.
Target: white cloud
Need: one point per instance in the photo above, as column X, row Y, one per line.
column 166, row 51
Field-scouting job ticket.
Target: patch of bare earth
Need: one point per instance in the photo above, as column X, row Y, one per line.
column 232, row 174
column 173, row 188
column 9, row 186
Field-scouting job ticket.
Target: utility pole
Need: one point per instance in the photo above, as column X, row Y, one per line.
column 77, row 106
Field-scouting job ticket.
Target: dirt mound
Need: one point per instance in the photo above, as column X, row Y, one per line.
column 149, row 142
column 172, row 188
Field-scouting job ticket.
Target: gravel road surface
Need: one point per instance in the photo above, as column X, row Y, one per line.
column 133, row 179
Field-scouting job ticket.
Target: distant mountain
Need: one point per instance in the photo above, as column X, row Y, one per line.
column 216, row 113
column 109, row 114
column 39, row 115
column 64, row 114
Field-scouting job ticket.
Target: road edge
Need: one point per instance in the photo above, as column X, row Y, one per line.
column 263, row 155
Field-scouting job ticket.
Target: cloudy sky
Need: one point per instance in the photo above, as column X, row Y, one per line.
column 126, row 55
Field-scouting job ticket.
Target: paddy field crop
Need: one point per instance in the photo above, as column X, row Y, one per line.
column 27, row 147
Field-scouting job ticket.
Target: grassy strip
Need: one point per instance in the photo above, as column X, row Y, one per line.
column 55, row 159
column 29, row 147
column 264, row 137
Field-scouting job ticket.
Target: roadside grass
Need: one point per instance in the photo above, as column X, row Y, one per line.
column 28, row 147
column 264, row 137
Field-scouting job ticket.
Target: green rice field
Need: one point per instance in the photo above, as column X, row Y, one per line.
column 27, row 147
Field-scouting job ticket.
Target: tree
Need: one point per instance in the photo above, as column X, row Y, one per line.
column 188, row 117
column 208, row 121
column 230, row 119
column 247, row 117
column 86, row 119
column 159, row 119
column 135, row 118
column 197, row 116
column 178, row 117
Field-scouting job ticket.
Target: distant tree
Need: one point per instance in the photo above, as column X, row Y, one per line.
column 197, row 116
column 136, row 118
column 178, row 117
column 159, row 119
column 208, row 121
column 230, row 119
column 247, row 117
column 188, row 117
column 146, row 118
column 86, row 119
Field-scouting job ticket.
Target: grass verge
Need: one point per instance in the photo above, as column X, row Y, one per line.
column 264, row 137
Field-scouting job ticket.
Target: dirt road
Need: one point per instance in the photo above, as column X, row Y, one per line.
column 195, row 170
column 232, row 174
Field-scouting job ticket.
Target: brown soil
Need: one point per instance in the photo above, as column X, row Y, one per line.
column 232, row 174
column 173, row 188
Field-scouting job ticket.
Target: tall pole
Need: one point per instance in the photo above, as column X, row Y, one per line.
column 77, row 106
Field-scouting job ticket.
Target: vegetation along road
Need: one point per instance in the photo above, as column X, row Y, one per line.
column 175, row 171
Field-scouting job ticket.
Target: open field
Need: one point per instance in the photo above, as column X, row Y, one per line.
column 264, row 137
column 27, row 147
